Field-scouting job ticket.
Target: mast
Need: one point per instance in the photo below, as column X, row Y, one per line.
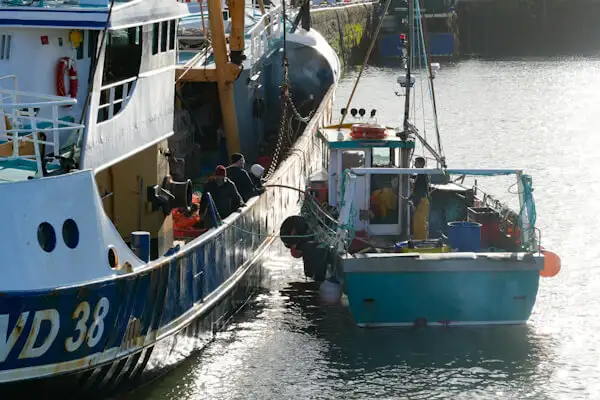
column 411, row 18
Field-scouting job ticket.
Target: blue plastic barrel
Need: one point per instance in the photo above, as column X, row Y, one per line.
column 464, row 236
column 140, row 244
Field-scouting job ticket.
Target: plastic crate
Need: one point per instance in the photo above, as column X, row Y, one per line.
column 490, row 224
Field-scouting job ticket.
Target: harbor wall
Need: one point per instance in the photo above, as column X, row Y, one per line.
column 347, row 28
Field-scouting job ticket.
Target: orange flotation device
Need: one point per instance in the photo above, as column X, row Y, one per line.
column 367, row 131
column 185, row 226
column 66, row 65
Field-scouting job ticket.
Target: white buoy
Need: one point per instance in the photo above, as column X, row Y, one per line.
column 330, row 291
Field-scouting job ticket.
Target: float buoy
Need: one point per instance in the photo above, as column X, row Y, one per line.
column 367, row 131
column 330, row 291
column 552, row 264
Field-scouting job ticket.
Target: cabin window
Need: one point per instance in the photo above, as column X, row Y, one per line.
column 164, row 34
column 5, row 44
column 135, row 35
column 172, row 35
column 155, row 34
column 121, row 66
column 382, row 157
column 384, row 200
column 123, row 55
column 353, row 159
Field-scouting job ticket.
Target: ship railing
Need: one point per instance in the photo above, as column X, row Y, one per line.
column 57, row 3
column 113, row 97
column 31, row 118
column 267, row 29
column 338, row 3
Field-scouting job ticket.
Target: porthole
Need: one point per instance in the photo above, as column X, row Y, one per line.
column 46, row 237
column 113, row 259
column 70, row 233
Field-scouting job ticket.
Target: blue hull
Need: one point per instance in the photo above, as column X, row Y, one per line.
column 143, row 324
column 439, row 293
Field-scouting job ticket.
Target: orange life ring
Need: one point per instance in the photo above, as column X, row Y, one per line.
column 367, row 131
column 66, row 64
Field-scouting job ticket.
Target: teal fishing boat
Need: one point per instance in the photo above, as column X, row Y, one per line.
column 436, row 251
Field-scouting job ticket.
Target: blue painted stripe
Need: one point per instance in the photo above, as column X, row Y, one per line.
column 62, row 24
column 98, row 10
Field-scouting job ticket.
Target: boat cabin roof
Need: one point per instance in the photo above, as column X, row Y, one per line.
column 89, row 14
column 331, row 134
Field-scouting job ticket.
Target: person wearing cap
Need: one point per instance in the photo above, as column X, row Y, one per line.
column 240, row 177
column 226, row 197
column 256, row 172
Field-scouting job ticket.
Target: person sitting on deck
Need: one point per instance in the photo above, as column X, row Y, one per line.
column 420, row 200
column 240, row 177
column 224, row 194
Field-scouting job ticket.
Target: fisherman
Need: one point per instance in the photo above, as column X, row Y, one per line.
column 224, row 194
column 420, row 200
column 240, row 177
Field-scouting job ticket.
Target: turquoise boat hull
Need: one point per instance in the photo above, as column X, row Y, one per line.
column 441, row 289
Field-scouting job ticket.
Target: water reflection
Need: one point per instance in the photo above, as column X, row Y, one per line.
column 430, row 361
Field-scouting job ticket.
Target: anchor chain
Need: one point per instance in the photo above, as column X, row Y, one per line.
column 286, row 99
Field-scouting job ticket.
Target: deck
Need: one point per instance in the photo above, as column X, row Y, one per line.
column 198, row 65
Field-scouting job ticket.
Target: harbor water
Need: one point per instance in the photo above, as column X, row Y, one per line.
column 541, row 115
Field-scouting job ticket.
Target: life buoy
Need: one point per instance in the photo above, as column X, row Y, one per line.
column 66, row 64
column 367, row 131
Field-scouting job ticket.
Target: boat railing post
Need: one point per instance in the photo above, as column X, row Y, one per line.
column 344, row 218
column 526, row 231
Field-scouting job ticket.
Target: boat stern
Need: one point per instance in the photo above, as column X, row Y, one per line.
column 412, row 289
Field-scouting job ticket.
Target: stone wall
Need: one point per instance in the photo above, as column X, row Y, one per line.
column 348, row 29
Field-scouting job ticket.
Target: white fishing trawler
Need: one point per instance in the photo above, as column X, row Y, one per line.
column 96, row 292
